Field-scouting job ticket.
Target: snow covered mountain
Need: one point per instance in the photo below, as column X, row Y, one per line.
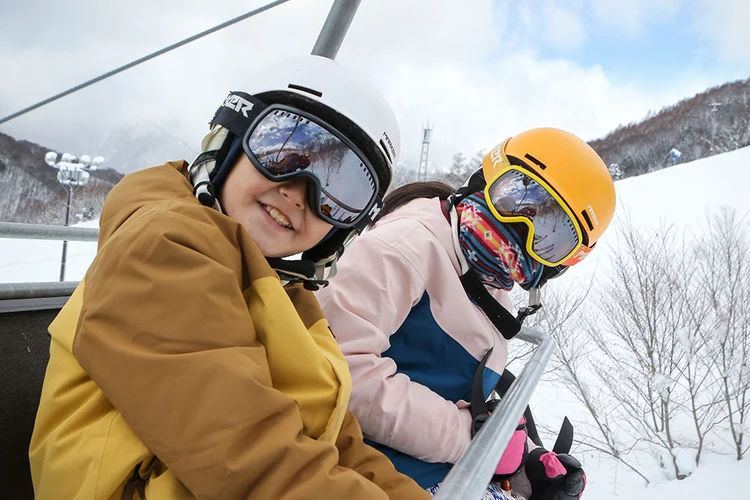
column 31, row 193
column 143, row 145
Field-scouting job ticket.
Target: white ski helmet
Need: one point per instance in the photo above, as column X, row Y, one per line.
column 329, row 91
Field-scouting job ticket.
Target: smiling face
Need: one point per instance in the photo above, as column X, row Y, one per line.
column 275, row 214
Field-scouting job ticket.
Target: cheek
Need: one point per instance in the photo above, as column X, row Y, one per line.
column 318, row 229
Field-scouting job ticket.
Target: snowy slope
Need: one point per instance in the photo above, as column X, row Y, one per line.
column 681, row 195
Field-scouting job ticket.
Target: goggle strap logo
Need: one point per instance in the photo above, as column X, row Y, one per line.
column 238, row 104
column 375, row 210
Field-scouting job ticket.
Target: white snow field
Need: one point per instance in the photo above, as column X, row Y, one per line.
column 681, row 195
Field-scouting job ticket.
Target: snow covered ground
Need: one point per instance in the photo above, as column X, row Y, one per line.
column 681, row 195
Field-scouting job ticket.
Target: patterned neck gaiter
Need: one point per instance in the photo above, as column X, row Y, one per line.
column 494, row 249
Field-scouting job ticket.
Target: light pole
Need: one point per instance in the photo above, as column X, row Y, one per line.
column 72, row 173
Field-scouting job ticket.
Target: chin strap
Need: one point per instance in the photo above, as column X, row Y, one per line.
column 299, row 271
column 535, row 303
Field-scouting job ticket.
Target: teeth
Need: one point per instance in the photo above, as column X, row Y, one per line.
column 278, row 217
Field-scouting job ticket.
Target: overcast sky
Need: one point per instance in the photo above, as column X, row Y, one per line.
column 479, row 70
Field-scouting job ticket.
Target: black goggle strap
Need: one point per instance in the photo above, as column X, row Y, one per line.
column 232, row 119
column 473, row 184
column 237, row 112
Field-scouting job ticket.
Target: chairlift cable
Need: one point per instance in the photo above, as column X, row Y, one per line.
column 142, row 60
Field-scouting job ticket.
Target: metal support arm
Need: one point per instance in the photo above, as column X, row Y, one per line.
column 335, row 27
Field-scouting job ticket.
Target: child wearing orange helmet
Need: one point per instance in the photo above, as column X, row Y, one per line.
column 420, row 302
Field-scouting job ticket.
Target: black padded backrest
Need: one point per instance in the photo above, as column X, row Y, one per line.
column 24, row 352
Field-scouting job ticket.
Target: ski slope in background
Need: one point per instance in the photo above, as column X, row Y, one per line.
column 682, row 195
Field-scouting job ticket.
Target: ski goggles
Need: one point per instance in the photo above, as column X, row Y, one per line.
column 284, row 143
column 516, row 194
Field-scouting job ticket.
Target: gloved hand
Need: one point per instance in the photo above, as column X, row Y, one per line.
column 554, row 476
column 514, row 455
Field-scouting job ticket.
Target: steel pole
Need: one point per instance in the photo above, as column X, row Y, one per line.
column 65, row 242
column 335, row 27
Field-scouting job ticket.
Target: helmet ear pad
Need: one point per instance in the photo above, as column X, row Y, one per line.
column 341, row 123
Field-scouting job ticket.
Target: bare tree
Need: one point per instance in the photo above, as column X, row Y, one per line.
column 697, row 375
column 563, row 317
column 722, row 260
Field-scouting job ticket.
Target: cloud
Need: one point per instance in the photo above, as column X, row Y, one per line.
column 472, row 67
column 725, row 23
column 552, row 23
column 629, row 17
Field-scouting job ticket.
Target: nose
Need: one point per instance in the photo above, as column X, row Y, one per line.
column 295, row 192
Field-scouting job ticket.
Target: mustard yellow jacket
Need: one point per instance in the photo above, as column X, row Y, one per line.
column 182, row 368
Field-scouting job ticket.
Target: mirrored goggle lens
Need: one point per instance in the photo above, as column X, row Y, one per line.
column 515, row 194
column 286, row 144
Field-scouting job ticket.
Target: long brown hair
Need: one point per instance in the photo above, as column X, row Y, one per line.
column 412, row 191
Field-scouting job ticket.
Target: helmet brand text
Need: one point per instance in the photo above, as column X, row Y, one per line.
column 390, row 145
column 238, row 104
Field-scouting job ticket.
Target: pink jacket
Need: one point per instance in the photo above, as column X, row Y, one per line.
column 404, row 267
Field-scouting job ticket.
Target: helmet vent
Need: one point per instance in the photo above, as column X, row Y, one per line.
column 587, row 219
column 305, row 89
column 385, row 150
column 535, row 161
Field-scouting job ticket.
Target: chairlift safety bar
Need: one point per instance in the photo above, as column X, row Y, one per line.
column 469, row 478
column 15, row 291
column 20, row 231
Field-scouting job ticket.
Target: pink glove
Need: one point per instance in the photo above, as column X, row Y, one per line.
column 515, row 454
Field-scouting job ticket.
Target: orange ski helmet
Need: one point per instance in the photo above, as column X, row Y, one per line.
column 530, row 174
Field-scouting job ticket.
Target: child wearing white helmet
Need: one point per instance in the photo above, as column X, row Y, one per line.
column 192, row 361
column 421, row 308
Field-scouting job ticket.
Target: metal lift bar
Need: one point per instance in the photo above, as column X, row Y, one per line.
column 19, row 231
column 335, row 28
column 10, row 291
column 469, row 478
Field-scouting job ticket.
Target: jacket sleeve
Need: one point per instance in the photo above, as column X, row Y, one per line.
column 373, row 465
column 165, row 333
column 374, row 291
